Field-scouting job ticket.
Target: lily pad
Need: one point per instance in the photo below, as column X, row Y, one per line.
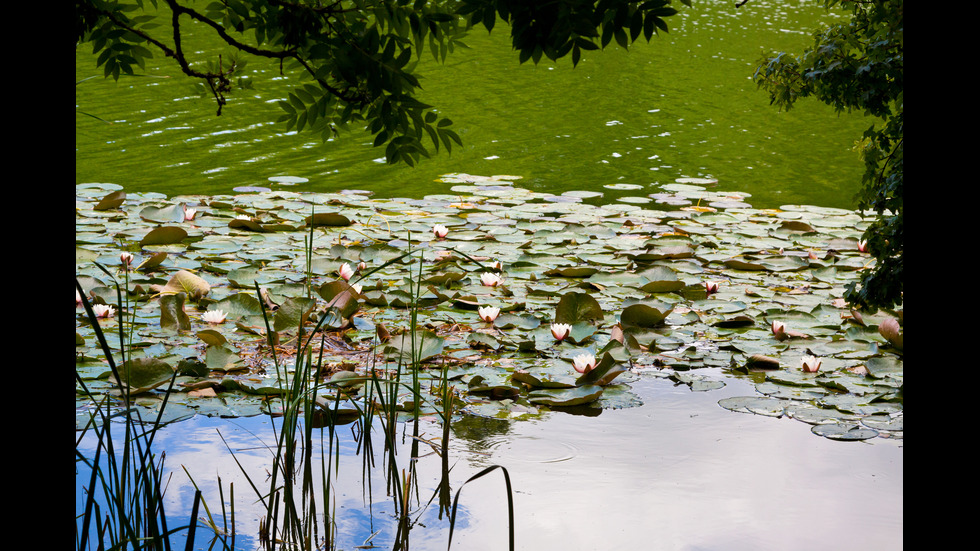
column 565, row 396
column 575, row 307
column 165, row 235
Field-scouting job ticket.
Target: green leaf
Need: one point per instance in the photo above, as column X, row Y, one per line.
column 644, row 314
column 165, row 235
column 575, row 307
column 565, row 396
column 144, row 374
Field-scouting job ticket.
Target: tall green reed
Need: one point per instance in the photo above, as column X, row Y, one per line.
column 127, row 482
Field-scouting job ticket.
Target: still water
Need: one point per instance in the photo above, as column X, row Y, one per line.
column 683, row 105
column 678, row 473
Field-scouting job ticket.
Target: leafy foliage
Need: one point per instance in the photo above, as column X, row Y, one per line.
column 860, row 65
column 354, row 63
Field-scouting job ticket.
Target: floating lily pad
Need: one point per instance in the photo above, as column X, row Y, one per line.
column 164, row 235
column 844, row 431
column 565, row 397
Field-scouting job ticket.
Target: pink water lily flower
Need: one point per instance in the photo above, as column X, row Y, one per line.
column 711, row 287
column 779, row 330
column 103, row 311
column 189, row 214
column 862, row 246
column 126, row 259
column 810, row 364
column 489, row 313
column 560, row 330
column 440, row 231
column 346, row 271
column 214, row 316
column 490, row 279
column 583, row 363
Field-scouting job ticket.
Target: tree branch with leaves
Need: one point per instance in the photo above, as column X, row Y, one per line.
column 859, row 65
column 354, row 62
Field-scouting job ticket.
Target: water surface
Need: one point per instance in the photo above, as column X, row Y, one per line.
column 683, row 105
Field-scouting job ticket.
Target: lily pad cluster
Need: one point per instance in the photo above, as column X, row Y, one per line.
column 689, row 284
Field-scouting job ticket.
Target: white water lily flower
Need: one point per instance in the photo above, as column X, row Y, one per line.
column 440, row 231
column 583, row 363
column 346, row 271
column 490, row 279
column 126, row 259
column 489, row 313
column 78, row 299
column 103, row 311
column 810, row 364
column 214, row 316
column 560, row 330
column 189, row 214
column 243, row 217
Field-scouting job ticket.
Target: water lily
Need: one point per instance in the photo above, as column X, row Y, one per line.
column 779, row 330
column 711, row 287
column 560, row 330
column 361, row 266
column 862, row 246
column 489, row 313
column 490, row 279
column 440, row 231
column 357, row 288
column 346, row 271
column 810, row 364
column 214, row 316
column 103, row 311
column 583, row 363
column 126, row 259
column 189, row 214
column 78, row 299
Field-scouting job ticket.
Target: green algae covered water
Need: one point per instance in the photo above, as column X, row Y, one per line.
column 622, row 123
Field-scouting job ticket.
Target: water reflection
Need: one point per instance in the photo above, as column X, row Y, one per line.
column 678, row 473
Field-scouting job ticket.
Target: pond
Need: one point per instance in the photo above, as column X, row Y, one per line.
column 683, row 105
column 673, row 471
column 678, row 473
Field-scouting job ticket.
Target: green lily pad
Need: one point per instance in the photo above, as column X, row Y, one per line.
column 111, row 201
column 165, row 235
column 327, row 219
column 565, row 396
column 844, row 432
column 644, row 315
column 416, row 346
column 144, row 374
column 575, row 307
